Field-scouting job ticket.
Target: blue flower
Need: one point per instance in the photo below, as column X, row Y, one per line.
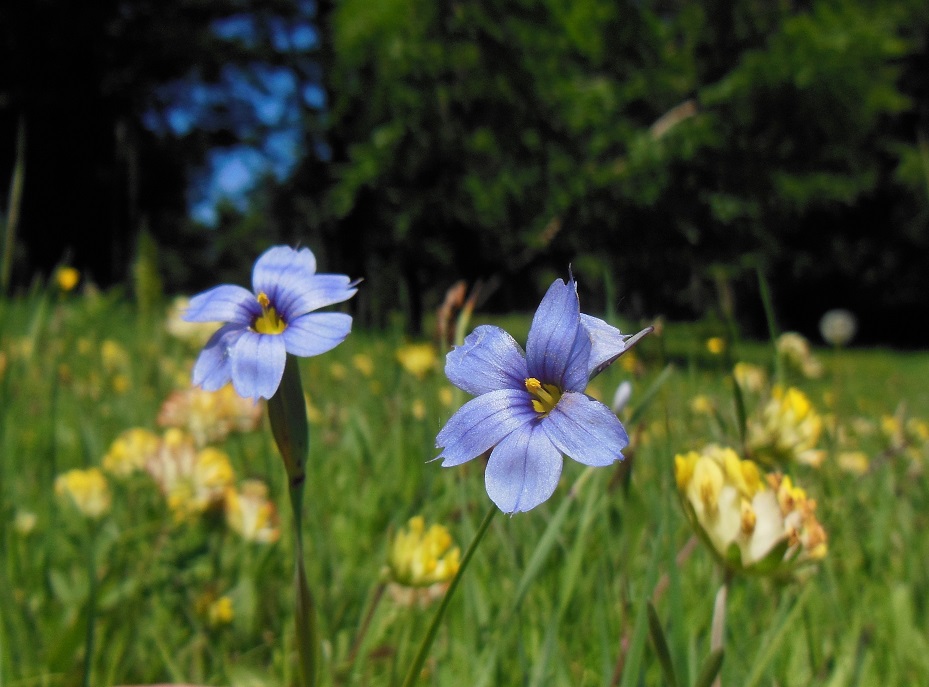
column 531, row 408
column 261, row 328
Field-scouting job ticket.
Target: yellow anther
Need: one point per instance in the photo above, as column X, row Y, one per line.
column 269, row 322
column 546, row 395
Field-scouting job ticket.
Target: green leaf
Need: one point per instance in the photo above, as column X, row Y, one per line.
column 656, row 633
column 710, row 669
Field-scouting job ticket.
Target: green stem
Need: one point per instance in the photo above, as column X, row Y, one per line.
column 91, row 604
column 718, row 626
column 287, row 413
column 305, row 611
column 416, row 667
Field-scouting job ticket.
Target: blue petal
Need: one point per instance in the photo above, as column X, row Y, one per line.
column 224, row 303
column 523, row 470
column 481, row 423
column 489, row 359
column 316, row 333
column 258, row 364
column 296, row 299
column 288, row 278
column 586, row 430
column 607, row 343
column 558, row 347
column 213, row 368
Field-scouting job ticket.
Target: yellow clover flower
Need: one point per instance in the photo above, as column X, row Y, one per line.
column 251, row 514
column 87, row 490
column 192, row 481
column 750, row 378
column 209, row 415
column 67, row 277
column 763, row 524
column 417, row 359
column 420, row 557
column 788, row 430
column 797, row 355
column 131, row 451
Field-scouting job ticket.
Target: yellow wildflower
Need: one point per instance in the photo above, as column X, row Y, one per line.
column 216, row 611
column 788, row 429
column 417, row 359
column 24, row 522
column 251, row 514
column 87, row 490
column 421, row 557
column 115, row 357
column 446, row 396
column 209, row 415
column 855, row 462
column 67, row 277
column 750, row 378
column 716, row 345
column 750, row 521
column 130, row 451
column 797, row 355
column 702, row 405
column 363, row 363
column 418, row 409
column 191, row 481
column 338, row 371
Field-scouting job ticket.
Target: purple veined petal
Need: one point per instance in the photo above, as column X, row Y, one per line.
column 558, row 347
column 585, row 430
column 607, row 342
column 316, row 332
column 281, row 262
column 213, row 368
column 224, row 303
column 523, row 470
column 481, row 423
column 298, row 297
column 489, row 359
column 257, row 364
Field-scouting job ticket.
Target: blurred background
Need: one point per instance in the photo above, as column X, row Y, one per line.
column 677, row 154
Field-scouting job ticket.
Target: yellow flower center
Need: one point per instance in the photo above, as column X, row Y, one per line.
column 545, row 396
column 269, row 322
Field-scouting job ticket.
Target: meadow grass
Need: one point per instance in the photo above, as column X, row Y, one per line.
column 556, row 596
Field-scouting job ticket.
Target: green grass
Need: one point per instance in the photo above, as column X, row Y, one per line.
column 556, row 596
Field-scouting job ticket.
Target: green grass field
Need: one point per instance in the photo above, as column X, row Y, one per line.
column 556, row 596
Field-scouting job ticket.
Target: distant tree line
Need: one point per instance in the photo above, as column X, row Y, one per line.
column 670, row 151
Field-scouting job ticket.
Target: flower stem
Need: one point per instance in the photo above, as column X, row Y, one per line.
column 417, row 665
column 305, row 607
column 287, row 413
column 718, row 626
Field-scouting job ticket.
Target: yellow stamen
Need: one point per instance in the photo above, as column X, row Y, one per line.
column 269, row 322
column 546, row 396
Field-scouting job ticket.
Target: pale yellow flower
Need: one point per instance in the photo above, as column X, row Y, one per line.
column 750, row 378
column 417, row 359
column 24, row 522
column 338, row 371
column 115, row 357
column 67, row 277
column 748, row 519
column 210, row 416
column 420, row 557
column 446, row 396
column 130, row 451
column 788, row 429
column 702, row 405
column 217, row 611
column 855, row 462
column 418, row 409
column 363, row 363
column 251, row 514
column 192, row 481
column 797, row 355
column 87, row 490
